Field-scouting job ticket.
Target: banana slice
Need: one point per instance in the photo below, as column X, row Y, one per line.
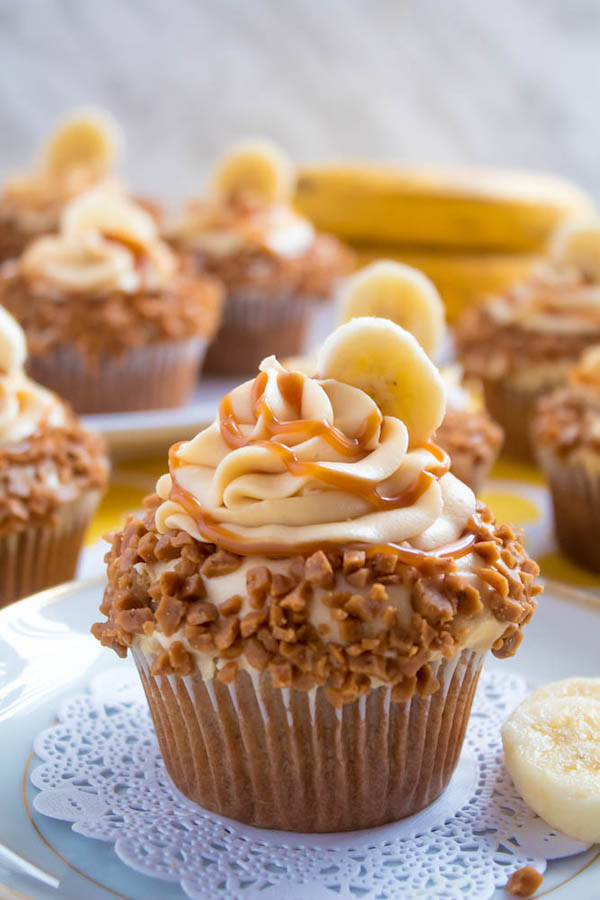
column 552, row 751
column 255, row 171
column 398, row 292
column 105, row 210
column 86, row 138
column 13, row 347
column 577, row 243
column 388, row 364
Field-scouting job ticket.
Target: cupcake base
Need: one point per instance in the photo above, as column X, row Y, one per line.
column 44, row 555
column 575, row 490
column 158, row 376
column 254, row 328
column 287, row 759
column 514, row 408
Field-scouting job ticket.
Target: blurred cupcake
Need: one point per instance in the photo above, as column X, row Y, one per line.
column 566, row 437
column 52, row 473
column 274, row 266
column 524, row 343
column 311, row 587
column 114, row 318
column 406, row 296
column 80, row 154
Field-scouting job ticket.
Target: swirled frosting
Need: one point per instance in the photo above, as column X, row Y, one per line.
column 292, row 462
column 105, row 243
column 552, row 301
column 24, row 405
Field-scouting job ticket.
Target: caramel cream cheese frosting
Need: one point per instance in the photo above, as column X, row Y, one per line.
column 24, row 405
column 106, row 243
column 248, row 207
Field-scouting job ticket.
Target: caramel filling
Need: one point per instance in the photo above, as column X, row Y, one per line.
column 290, row 385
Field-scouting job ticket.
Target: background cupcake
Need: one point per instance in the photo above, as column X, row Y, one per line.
column 524, row 343
column 81, row 153
column 274, row 266
column 311, row 588
column 114, row 318
column 566, row 438
column 52, row 473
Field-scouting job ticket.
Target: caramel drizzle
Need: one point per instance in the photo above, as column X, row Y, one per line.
column 291, row 386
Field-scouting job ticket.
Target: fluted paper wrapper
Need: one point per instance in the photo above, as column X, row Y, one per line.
column 158, row 376
column 514, row 409
column 44, row 555
column 287, row 759
column 254, row 327
column 575, row 490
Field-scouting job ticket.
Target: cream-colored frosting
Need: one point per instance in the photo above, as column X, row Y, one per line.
column 106, row 242
column 223, row 230
column 250, row 491
column 553, row 301
column 24, row 405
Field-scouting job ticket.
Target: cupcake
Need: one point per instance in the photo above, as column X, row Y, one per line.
column 52, row 473
column 406, row 296
column 115, row 320
column 311, row 593
column 523, row 344
column 80, row 154
column 274, row 266
column 566, row 437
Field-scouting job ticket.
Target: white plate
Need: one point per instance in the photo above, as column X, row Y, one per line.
column 47, row 654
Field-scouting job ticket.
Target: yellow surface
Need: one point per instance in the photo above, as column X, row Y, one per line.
column 515, row 492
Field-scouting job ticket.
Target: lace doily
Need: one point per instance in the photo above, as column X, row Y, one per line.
column 103, row 772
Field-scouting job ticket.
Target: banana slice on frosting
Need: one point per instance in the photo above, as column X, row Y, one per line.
column 87, row 138
column 577, row 243
column 255, row 171
column 106, row 210
column 398, row 292
column 389, row 365
column 13, row 348
column 552, row 751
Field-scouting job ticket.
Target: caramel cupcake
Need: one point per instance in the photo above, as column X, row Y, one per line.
column 274, row 266
column 566, row 437
column 311, row 587
column 80, row 154
column 52, row 473
column 523, row 344
column 115, row 320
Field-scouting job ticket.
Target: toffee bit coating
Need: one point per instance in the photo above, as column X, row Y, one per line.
column 472, row 440
column 271, row 627
column 568, row 420
column 49, row 468
column 524, row 882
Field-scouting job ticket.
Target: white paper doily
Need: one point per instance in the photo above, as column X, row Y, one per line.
column 102, row 771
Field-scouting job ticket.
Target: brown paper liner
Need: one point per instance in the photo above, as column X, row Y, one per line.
column 287, row 759
column 514, row 408
column 255, row 327
column 159, row 376
column 44, row 555
column 576, row 499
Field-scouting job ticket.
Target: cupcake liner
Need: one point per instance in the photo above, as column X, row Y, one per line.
column 44, row 555
column 158, row 376
column 514, row 408
column 254, row 327
column 287, row 759
column 575, row 490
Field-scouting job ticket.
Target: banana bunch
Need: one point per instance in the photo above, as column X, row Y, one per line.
column 471, row 231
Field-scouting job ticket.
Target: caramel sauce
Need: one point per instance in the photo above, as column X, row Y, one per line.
column 291, row 386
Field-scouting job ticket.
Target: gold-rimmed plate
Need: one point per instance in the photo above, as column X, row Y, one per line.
column 47, row 654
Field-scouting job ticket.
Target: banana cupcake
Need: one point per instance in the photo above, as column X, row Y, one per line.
column 406, row 296
column 311, row 594
column 523, row 344
column 81, row 153
column 52, row 473
column 274, row 266
column 115, row 320
column 566, row 437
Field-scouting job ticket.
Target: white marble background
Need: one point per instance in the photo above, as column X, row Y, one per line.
column 501, row 82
